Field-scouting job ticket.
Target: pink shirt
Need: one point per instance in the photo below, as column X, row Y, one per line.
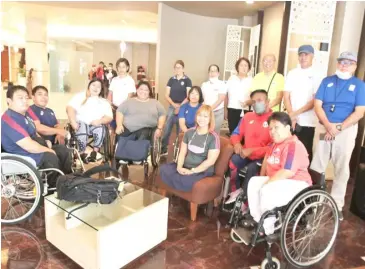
column 289, row 155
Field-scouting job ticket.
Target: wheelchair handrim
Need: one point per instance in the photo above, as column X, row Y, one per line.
column 291, row 210
column 37, row 188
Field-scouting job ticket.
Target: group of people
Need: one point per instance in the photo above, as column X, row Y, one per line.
column 259, row 132
column 103, row 72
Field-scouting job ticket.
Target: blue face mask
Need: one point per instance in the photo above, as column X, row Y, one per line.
column 259, row 108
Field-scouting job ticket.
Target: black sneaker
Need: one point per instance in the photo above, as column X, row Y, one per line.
column 92, row 157
column 84, row 158
column 340, row 215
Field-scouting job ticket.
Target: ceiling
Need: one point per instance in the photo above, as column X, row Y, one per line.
column 222, row 9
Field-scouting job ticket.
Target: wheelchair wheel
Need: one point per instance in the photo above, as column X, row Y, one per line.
column 310, row 228
column 21, row 190
column 155, row 151
column 275, row 264
column 107, row 146
column 176, row 148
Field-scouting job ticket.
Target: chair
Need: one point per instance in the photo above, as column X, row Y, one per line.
column 207, row 189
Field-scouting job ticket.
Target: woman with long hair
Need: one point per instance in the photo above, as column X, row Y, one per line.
column 88, row 112
column 199, row 151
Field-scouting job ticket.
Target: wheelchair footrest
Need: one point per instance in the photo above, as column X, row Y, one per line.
column 244, row 234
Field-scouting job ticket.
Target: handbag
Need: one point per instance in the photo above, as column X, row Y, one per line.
column 81, row 188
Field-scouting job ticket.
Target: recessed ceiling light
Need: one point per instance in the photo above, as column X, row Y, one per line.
column 249, row 2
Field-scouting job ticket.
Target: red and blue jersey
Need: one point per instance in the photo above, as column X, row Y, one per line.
column 15, row 127
column 45, row 116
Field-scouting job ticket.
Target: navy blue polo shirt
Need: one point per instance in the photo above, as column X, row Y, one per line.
column 188, row 113
column 15, row 127
column 46, row 116
column 343, row 94
column 178, row 88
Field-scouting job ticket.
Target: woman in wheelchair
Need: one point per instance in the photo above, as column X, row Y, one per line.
column 19, row 136
column 188, row 111
column 140, row 115
column 44, row 118
column 284, row 172
column 199, row 151
column 87, row 113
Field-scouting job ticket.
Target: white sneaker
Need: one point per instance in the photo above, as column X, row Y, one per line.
column 137, row 162
column 123, row 162
column 233, row 196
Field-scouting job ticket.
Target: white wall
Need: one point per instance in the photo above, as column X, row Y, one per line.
column 198, row 41
column 108, row 52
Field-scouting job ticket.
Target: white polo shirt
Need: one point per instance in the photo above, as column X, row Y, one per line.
column 302, row 84
column 93, row 109
column 238, row 91
column 211, row 91
column 121, row 87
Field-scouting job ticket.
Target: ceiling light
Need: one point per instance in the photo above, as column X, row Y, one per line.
column 123, row 47
column 249, row 2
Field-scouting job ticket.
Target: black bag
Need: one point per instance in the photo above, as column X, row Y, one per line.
column 82, row 188
column 132, row 150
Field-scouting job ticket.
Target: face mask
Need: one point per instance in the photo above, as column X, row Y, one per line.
column 343, row 75
column 213, row 79
column 259, row 108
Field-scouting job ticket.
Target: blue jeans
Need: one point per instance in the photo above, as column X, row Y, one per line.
column 171, row 119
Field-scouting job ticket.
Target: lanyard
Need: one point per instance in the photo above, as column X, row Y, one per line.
column 341, row 90
column 268, row 89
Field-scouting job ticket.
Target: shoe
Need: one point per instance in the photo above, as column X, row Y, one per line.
column 123, row 162
column 92, row 157
column 137, row 162
column 84, row 158
column 163, row 153
column 233, row 196
column 340, row 215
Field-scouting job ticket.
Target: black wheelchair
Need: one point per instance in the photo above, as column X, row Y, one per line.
column 106, row 150
column 22, row 187
column 154, row 153
column 306, row 227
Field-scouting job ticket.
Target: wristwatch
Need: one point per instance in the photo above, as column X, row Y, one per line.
column 339, row 127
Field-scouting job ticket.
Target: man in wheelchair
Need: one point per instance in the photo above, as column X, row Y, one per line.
column 19, row 136
column 283, row 175
column 44, row 118
column 254, row 130
column 139, row 118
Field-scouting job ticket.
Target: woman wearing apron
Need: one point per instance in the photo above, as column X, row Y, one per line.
column 199, row 151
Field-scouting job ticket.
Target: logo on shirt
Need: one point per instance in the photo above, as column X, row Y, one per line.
column 252, row 121
column 273, row 160
column 277, row 150
column 42, row 113
column 352, row 87
column 330, row 84
column 265, row 124
column 182, row 83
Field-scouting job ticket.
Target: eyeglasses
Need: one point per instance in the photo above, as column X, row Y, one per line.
column 346, row 62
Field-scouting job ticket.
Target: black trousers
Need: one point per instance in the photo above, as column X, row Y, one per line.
column 62, row 161
column 306, row 136
column 234, row 117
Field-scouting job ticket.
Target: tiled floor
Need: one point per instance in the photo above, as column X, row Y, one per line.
column 205, row 243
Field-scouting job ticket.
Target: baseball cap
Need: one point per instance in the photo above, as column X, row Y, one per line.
column 306, row 49
column 347, row 55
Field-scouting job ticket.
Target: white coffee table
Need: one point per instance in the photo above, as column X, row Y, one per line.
column 108, row 236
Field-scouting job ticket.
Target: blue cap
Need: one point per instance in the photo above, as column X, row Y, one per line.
column 306, row 49
column 347, row 55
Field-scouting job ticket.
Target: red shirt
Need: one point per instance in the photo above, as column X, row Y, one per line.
column 100, row 73
column 289, row 155
column 255, row 129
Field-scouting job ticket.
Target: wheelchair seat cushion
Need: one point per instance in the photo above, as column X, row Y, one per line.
column 130, row 150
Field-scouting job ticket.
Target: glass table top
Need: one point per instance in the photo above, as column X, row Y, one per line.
column 131, row 200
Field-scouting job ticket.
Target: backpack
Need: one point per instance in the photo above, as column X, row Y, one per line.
column 81, row 188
